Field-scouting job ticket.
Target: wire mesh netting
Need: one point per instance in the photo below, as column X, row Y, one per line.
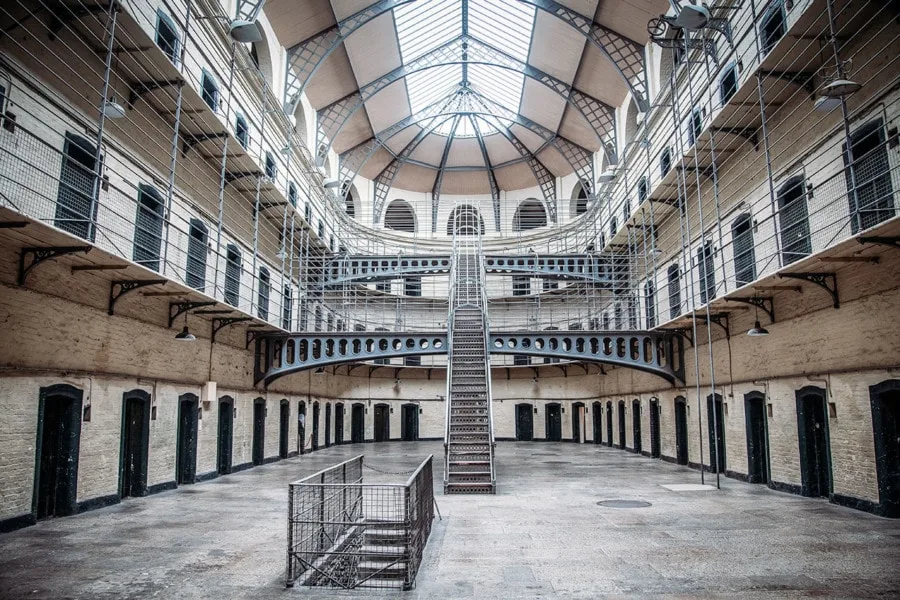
column 344, row 533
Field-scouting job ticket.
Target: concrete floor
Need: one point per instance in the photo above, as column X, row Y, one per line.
column 542, row 536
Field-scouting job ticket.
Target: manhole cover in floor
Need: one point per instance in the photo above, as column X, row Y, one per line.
column 624, row 504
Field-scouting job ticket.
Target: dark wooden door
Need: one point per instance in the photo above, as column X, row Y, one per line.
column 58, row 440
column 259, row 432
column 358, row 424
column 812, row 429
column 409, row 423
column 524, row 422
column 315, row 426
column 135, row 444
column 338, row 423
column 225, row 438
column 597, row 415
column 681, row 432
column 186, row 459
column 327, row 425
column 609, row 424
column 716, row 428
column 284, row 426
column 886, row 424
column 655, row 450
column 636, row 425
column 577, row 416
column 757, row 438
column 622, row 425
column 554, row 423
column 382, row 423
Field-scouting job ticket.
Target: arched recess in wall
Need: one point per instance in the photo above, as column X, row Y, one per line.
column 400, row 216
column 530, row 214
column 262, row 57
column 631, row 122
column 670, row 58
column 351, row 202
column 465, row 220
column 578, row 204
column 300, row 128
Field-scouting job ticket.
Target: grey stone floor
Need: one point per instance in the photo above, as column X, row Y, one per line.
column 542, row 536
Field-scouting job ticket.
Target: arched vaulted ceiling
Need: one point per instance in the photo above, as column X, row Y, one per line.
column 464, row 96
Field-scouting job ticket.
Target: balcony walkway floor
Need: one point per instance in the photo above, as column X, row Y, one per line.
column 542, row 536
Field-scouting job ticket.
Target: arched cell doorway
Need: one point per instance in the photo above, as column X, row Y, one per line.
column 315, row 426
column 225, row 435
column 400, row 216
column 885, row 398
column 553, row 423
column 812, row 434
column 655, row 450
column 382, row 423
column 465, row 220
column 358, row 424
column 597, row 414
column 57, row 451
column 339, row 423
column 259, row 431
column 622, row 424
column 681, row 431
column 530, row 214
column 284, row 426
column 186, row 450
column 524, row 422
column 409, row 422
column 636, row 426
column 609, row 424
column 757, row 437
column 715, row 416
column 135, row 443
column 578, row 422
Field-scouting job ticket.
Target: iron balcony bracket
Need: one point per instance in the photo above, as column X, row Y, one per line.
column 39, row 255
column 120, row 287
column 766, row 303
column 176, row 309
column 219, row 324
column 827, row 281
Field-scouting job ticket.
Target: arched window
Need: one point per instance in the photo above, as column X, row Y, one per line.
column 148, row 225
column 292, row 194
column 742, row 243
column 241, row 131
column 198, row 238
column 76, row 211
column 232, row 275
column 694, row 126
column 287, row 306
column 167, row 37
column 650, row 304
column 261, row 58
column 707, row 273
column 400, row 216
column 872, row 201
column 271, row 168
column 665, row 162
column 580, row 198
column 529, row 215
column 300, row 123
column 465, row 220
column 631, row 124
column 772, row 27
column 674, row 281
column 794, row 220
column 642, row 189
column 728, row 84
column 351, row 202
column 209, row 90
column 262, row 294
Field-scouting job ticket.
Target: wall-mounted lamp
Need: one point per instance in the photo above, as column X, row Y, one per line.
column 185, row 335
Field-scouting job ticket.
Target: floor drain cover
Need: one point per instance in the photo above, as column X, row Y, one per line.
column 624, row 503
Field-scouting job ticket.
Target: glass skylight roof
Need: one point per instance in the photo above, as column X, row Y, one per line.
column 428, row 24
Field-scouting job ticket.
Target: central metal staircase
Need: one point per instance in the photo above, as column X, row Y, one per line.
column 469, row 438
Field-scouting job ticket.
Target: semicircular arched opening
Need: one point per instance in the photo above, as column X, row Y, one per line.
column 465, row 220
column 400, row 216
column 530, row 214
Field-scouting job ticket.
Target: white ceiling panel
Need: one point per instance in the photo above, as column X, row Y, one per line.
column 465, row 152
column 542, row 105
column 373, row 49
column 388, row 106
column 556, row 47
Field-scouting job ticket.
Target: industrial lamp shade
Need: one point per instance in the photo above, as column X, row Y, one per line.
column 691, row 16
column 331, row 184
column 839, row 88
column 758, row 330
column 185, row 335
column 112, row 109
column 245, row 32
column 607, row 176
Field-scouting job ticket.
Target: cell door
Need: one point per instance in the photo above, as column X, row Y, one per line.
column 284, row 425
column 524, row 422
column 225, row 437
column 382, row 423
column 259, row 432
column 135, row 444
column 338, row 423
column 757, row 438
column 301, row 427
column 577, row 420
column 315, row 426
column 327, row 425
column 76, row 208
column 872, row 201
column 636, row 425
column 609, row 424
column 655, row 450
column 681, row 432
column 812, row 429
column 358, row 424
column 885, row 399
column 410, row 423
column 186, row 455
column 622, row 425
column 716, row 427
column 58, row 437
column 554, row 422
column 598, row 422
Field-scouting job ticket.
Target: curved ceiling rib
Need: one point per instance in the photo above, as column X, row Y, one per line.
column 464, row 50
